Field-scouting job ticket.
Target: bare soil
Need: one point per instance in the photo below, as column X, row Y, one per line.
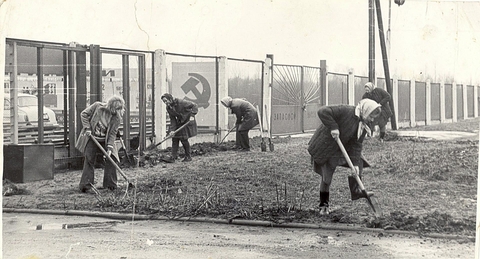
column 425, row 186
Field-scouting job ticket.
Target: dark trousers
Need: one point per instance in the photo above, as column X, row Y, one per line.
column 242, row 139
column 88, row 175
column 176, row 144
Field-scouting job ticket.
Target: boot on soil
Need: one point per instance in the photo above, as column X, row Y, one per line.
column 187, row 159
column 324, row 209
column 324, row 206
column 382, row 136
column 355, row 191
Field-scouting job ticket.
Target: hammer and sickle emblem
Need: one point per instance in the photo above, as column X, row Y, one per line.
column 191, row 86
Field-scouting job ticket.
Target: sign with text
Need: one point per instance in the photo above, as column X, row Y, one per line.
column 286, row 119
column 196, row 82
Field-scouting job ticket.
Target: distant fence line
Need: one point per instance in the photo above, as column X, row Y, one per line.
column 288, row 96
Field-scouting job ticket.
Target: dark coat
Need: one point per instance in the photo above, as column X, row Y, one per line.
column 383, row 98
column 246, row 114
column 180, row 113
column 322, row 146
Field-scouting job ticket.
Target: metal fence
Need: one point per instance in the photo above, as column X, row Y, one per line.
column 72, row 76
column 296, row 97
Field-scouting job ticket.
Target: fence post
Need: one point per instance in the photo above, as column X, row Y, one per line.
column 161, row 87
column 465, row 101
column 222, row 92
column 14, row 95
column 395, row 98
column 351, row 87
column 454, row 102
column 95, row 74
column 412, row 103
column 323, row 83
column 475, row 101
column 267, row 91
column 428, row 103
column 442, row 102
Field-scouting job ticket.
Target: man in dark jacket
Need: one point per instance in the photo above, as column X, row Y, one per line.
column 181, row 112
column 247, row 118
column 350, row 124
column 383, row 98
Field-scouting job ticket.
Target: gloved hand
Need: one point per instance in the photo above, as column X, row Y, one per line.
column 335, row 133
column 109, row 152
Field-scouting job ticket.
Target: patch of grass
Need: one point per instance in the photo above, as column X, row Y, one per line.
column 425, row 186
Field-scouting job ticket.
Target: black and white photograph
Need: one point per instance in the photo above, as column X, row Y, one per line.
column 240, row 129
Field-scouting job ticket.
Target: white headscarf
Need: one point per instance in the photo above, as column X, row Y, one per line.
column 370, row 86
column 226, row 101
column 363, row 109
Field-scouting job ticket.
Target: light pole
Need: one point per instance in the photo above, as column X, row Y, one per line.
column 371, row 74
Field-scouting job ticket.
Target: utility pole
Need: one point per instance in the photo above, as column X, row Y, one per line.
column 386, row 68
column 371, row 42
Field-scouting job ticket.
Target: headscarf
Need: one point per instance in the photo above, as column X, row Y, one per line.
column 167, row 96
column 226, row 101
column 363, row 109
column 370, row 86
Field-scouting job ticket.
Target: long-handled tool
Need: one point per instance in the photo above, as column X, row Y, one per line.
column 153, row 146
column 371, row 200
column 263, row 145
column 230, row 130
column 130, row 184
column 125, row 151
column 269, row 132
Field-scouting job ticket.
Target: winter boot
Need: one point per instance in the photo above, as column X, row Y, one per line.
column 188, row 153
column 382, row 136
column 324, row 206
column 175, row 146
column 355, row 189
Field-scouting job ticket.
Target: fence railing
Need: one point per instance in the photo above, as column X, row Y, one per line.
column 288, row 95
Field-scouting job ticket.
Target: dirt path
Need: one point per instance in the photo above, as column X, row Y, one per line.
column 47, row 236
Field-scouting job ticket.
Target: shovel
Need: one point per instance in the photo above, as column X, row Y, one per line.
column 126, row 153
column 230, row 130
column 370, row 200
column 153, row 146
column 263, row 144
column 270, row 144
column 130, row 184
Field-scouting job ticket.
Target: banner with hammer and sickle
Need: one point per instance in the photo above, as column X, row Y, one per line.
column 195, row 81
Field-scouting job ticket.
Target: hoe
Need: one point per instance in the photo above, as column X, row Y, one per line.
column 130, row 184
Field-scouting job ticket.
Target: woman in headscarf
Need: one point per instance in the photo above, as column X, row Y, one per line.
column 102, row 121
column 350, row 124
column 383, row 98
column 181, row 112
column 247, row 118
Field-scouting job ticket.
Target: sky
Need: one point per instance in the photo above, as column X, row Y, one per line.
column 438, row 40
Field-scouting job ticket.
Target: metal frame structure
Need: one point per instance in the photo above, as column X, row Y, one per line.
column 74, row 62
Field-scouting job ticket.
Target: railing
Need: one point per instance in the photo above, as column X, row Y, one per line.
column 57, row 136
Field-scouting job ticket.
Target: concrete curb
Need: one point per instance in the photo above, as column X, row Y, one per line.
column 241, row 222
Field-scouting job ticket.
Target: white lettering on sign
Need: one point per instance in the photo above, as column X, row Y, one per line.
column 284, row 116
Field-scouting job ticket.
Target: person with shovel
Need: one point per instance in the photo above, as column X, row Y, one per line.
column 350, row 125
column 247, row 118
column 102, row 121
column 383, row 98
column 181, row 112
